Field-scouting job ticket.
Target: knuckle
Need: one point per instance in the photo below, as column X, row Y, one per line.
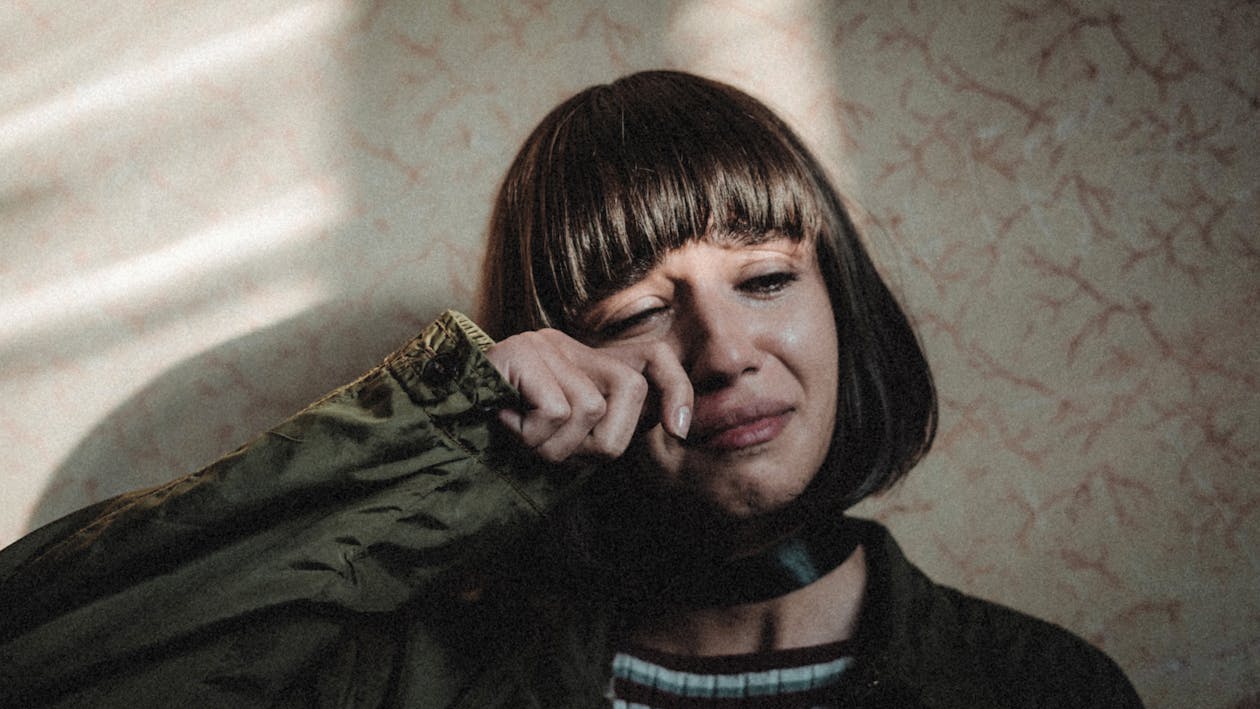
column 662, row 353
column 551, row 335
column 534, row 435
column 553, row 449
column 615, row 447
column 553, row 411
column 521, row 340
column 623, row 376
column 603, row 447
column 637, row 385
column 591, row 406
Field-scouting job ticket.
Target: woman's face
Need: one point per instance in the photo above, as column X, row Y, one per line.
column 752, row 326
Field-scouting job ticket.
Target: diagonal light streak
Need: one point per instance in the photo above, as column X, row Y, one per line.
column 155, row 80
column 272, row 227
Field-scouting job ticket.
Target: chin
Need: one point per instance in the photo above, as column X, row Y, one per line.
column 739, row 484
column 751, row 502
column 735, row 499
column 717, row 498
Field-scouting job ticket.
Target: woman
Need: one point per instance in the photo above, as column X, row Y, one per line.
column 683, row 237
column 635, row 496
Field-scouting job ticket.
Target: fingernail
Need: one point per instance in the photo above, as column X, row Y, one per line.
column 682, row 421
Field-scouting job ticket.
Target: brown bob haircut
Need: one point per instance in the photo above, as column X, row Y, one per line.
column 622, row 173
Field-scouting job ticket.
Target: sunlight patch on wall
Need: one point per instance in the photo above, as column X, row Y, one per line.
column 276, row 225
column 774, row 49
column 155, row 80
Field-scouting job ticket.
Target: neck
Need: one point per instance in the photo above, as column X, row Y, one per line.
column 822, row 612
column 780, row 565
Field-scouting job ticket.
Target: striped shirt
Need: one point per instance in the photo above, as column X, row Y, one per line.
column 800, row 677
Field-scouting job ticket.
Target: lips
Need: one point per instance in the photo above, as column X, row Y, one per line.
column 731, row 428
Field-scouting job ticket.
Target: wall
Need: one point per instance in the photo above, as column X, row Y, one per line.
column 212, row 212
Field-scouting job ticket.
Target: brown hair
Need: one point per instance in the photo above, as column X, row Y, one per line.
column 620, row 174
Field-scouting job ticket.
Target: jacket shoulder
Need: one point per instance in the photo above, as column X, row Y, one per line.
column 949, row 649
column 1029, row 661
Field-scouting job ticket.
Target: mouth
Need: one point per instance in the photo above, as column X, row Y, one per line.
column 741, row 427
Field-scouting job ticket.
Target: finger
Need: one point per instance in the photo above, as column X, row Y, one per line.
column 586, row 406
column 546, row 405
column 625, row 390
column 512, row 420
column 668, row 377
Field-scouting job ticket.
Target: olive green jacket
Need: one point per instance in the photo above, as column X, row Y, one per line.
column 321, row 564
column 341, row 560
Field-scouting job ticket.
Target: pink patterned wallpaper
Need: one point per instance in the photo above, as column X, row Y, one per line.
column 213, row 212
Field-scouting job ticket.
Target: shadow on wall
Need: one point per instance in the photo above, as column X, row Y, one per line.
column 331, row 210
column 384, row 128
column 163, row 431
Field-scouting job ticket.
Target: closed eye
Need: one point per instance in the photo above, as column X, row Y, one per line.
column 629, row 325
column 770, row 283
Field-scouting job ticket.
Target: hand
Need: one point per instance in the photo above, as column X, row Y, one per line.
column 583, row 401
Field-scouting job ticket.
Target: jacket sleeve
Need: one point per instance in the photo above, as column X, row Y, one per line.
column 274, row 574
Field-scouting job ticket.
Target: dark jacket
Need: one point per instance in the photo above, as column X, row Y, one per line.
column 922, row 644
column 338, row 561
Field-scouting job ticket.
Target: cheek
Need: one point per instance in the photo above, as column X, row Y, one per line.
column 812, row 354
column 810, row 347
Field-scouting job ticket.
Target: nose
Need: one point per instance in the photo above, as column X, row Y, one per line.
column 718, row 342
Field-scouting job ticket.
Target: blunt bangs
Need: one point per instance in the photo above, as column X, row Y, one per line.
column 620, row 174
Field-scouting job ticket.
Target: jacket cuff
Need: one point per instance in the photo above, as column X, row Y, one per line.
column 445, row 368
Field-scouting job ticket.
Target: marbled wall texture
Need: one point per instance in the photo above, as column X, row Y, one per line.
column 211, row 212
